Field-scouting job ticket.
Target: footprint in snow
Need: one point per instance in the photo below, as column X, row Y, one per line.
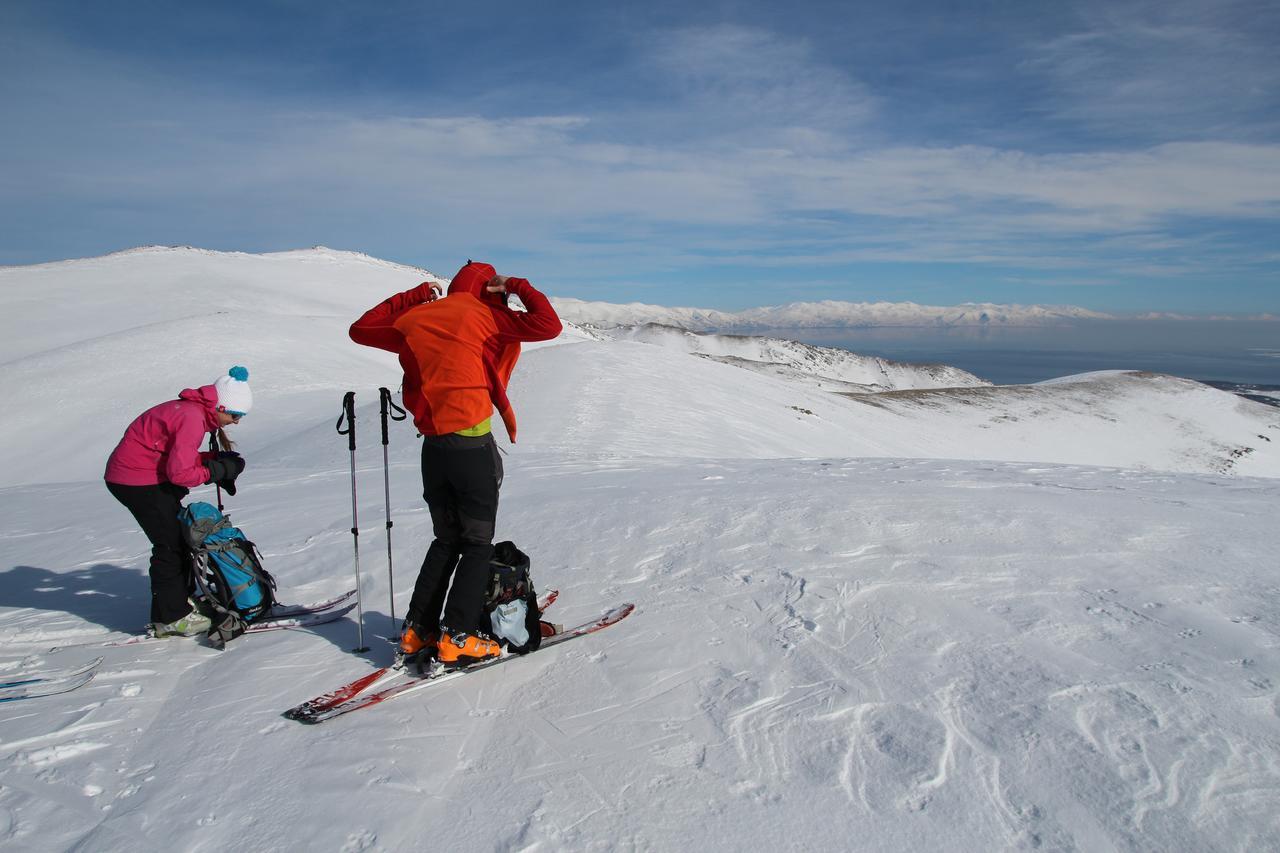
column 359, row 841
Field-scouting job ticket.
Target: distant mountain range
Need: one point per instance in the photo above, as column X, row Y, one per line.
column 828, row 314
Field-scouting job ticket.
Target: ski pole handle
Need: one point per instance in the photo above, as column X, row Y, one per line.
column 348, row 415
column 388, row 408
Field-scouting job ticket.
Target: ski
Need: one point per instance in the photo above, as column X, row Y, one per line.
column 377, row 679
column 302, row 620
column 282, row 610
column 290, row 616
column 48, row 674
column 548, row 600
column 31, row 685
column 351, row 697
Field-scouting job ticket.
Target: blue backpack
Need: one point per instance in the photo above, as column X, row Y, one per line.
column 228, row 571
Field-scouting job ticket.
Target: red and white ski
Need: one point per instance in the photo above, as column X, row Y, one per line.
column 378, row 679
column 389, row 683
column 282, row 617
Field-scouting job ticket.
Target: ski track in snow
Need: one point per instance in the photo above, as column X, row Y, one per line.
column 859, row 649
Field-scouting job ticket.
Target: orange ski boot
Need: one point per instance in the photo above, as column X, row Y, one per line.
column 464, row 649
column 416, row 644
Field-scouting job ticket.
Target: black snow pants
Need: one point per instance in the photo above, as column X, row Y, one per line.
column 156, row 509
column 461, row 476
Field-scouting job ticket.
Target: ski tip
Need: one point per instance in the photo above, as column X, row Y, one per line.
column 620, row 612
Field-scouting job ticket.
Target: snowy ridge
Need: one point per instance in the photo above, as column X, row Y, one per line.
column 176, row 253
column 827, row 367
column 828, row 314
column 68, row 301
column 636, row 400
column 931, row 618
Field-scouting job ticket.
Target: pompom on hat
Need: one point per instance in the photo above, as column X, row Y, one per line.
column 234, row 395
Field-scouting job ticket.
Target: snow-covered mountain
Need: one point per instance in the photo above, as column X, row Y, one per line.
column 824, row 367
column 92, row 340
column 619, row 398
column 827, row 314
column 948, row 616
column 158, row 319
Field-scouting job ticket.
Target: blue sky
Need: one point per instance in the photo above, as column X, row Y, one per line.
column 1121, row 156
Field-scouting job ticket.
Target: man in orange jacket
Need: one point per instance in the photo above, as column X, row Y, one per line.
column 457, row 353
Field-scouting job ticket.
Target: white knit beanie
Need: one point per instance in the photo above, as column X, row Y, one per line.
column 233, row 391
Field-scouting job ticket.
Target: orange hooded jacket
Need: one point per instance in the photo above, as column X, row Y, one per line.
column 458, row 352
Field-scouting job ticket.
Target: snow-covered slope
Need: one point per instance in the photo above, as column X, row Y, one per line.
column 856, row 627
column 627, row 399
column 88, row 342
column 56, row 304
column 94, row 341
column 828, row 314
column 917, row 655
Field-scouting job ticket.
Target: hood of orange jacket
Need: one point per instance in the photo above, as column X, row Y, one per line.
column 472, row 279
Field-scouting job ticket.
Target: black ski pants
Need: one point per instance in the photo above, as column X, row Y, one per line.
column 156, row 509
column 461, row 476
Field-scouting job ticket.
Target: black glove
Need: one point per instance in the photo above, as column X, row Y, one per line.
column 236, row 463
column 225, row 469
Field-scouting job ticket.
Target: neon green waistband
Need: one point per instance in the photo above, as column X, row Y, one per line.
column 481, row 428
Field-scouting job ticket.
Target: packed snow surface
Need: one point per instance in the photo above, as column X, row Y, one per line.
column 929, row 618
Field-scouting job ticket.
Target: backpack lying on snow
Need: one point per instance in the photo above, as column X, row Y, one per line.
column 510, row 602
column 228, row 572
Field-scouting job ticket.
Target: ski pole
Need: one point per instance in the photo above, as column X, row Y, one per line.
column 213, row 448
column 389, row 409
column 349, row 415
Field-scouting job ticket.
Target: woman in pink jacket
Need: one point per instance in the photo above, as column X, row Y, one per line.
column 156, row 463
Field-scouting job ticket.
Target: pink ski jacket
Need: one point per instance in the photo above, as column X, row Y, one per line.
column 163, row 444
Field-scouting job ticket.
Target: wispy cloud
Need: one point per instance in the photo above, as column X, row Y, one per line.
column 726, row 80
column 1173, row 69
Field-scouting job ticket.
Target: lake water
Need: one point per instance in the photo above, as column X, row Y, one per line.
column 1244, row 352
